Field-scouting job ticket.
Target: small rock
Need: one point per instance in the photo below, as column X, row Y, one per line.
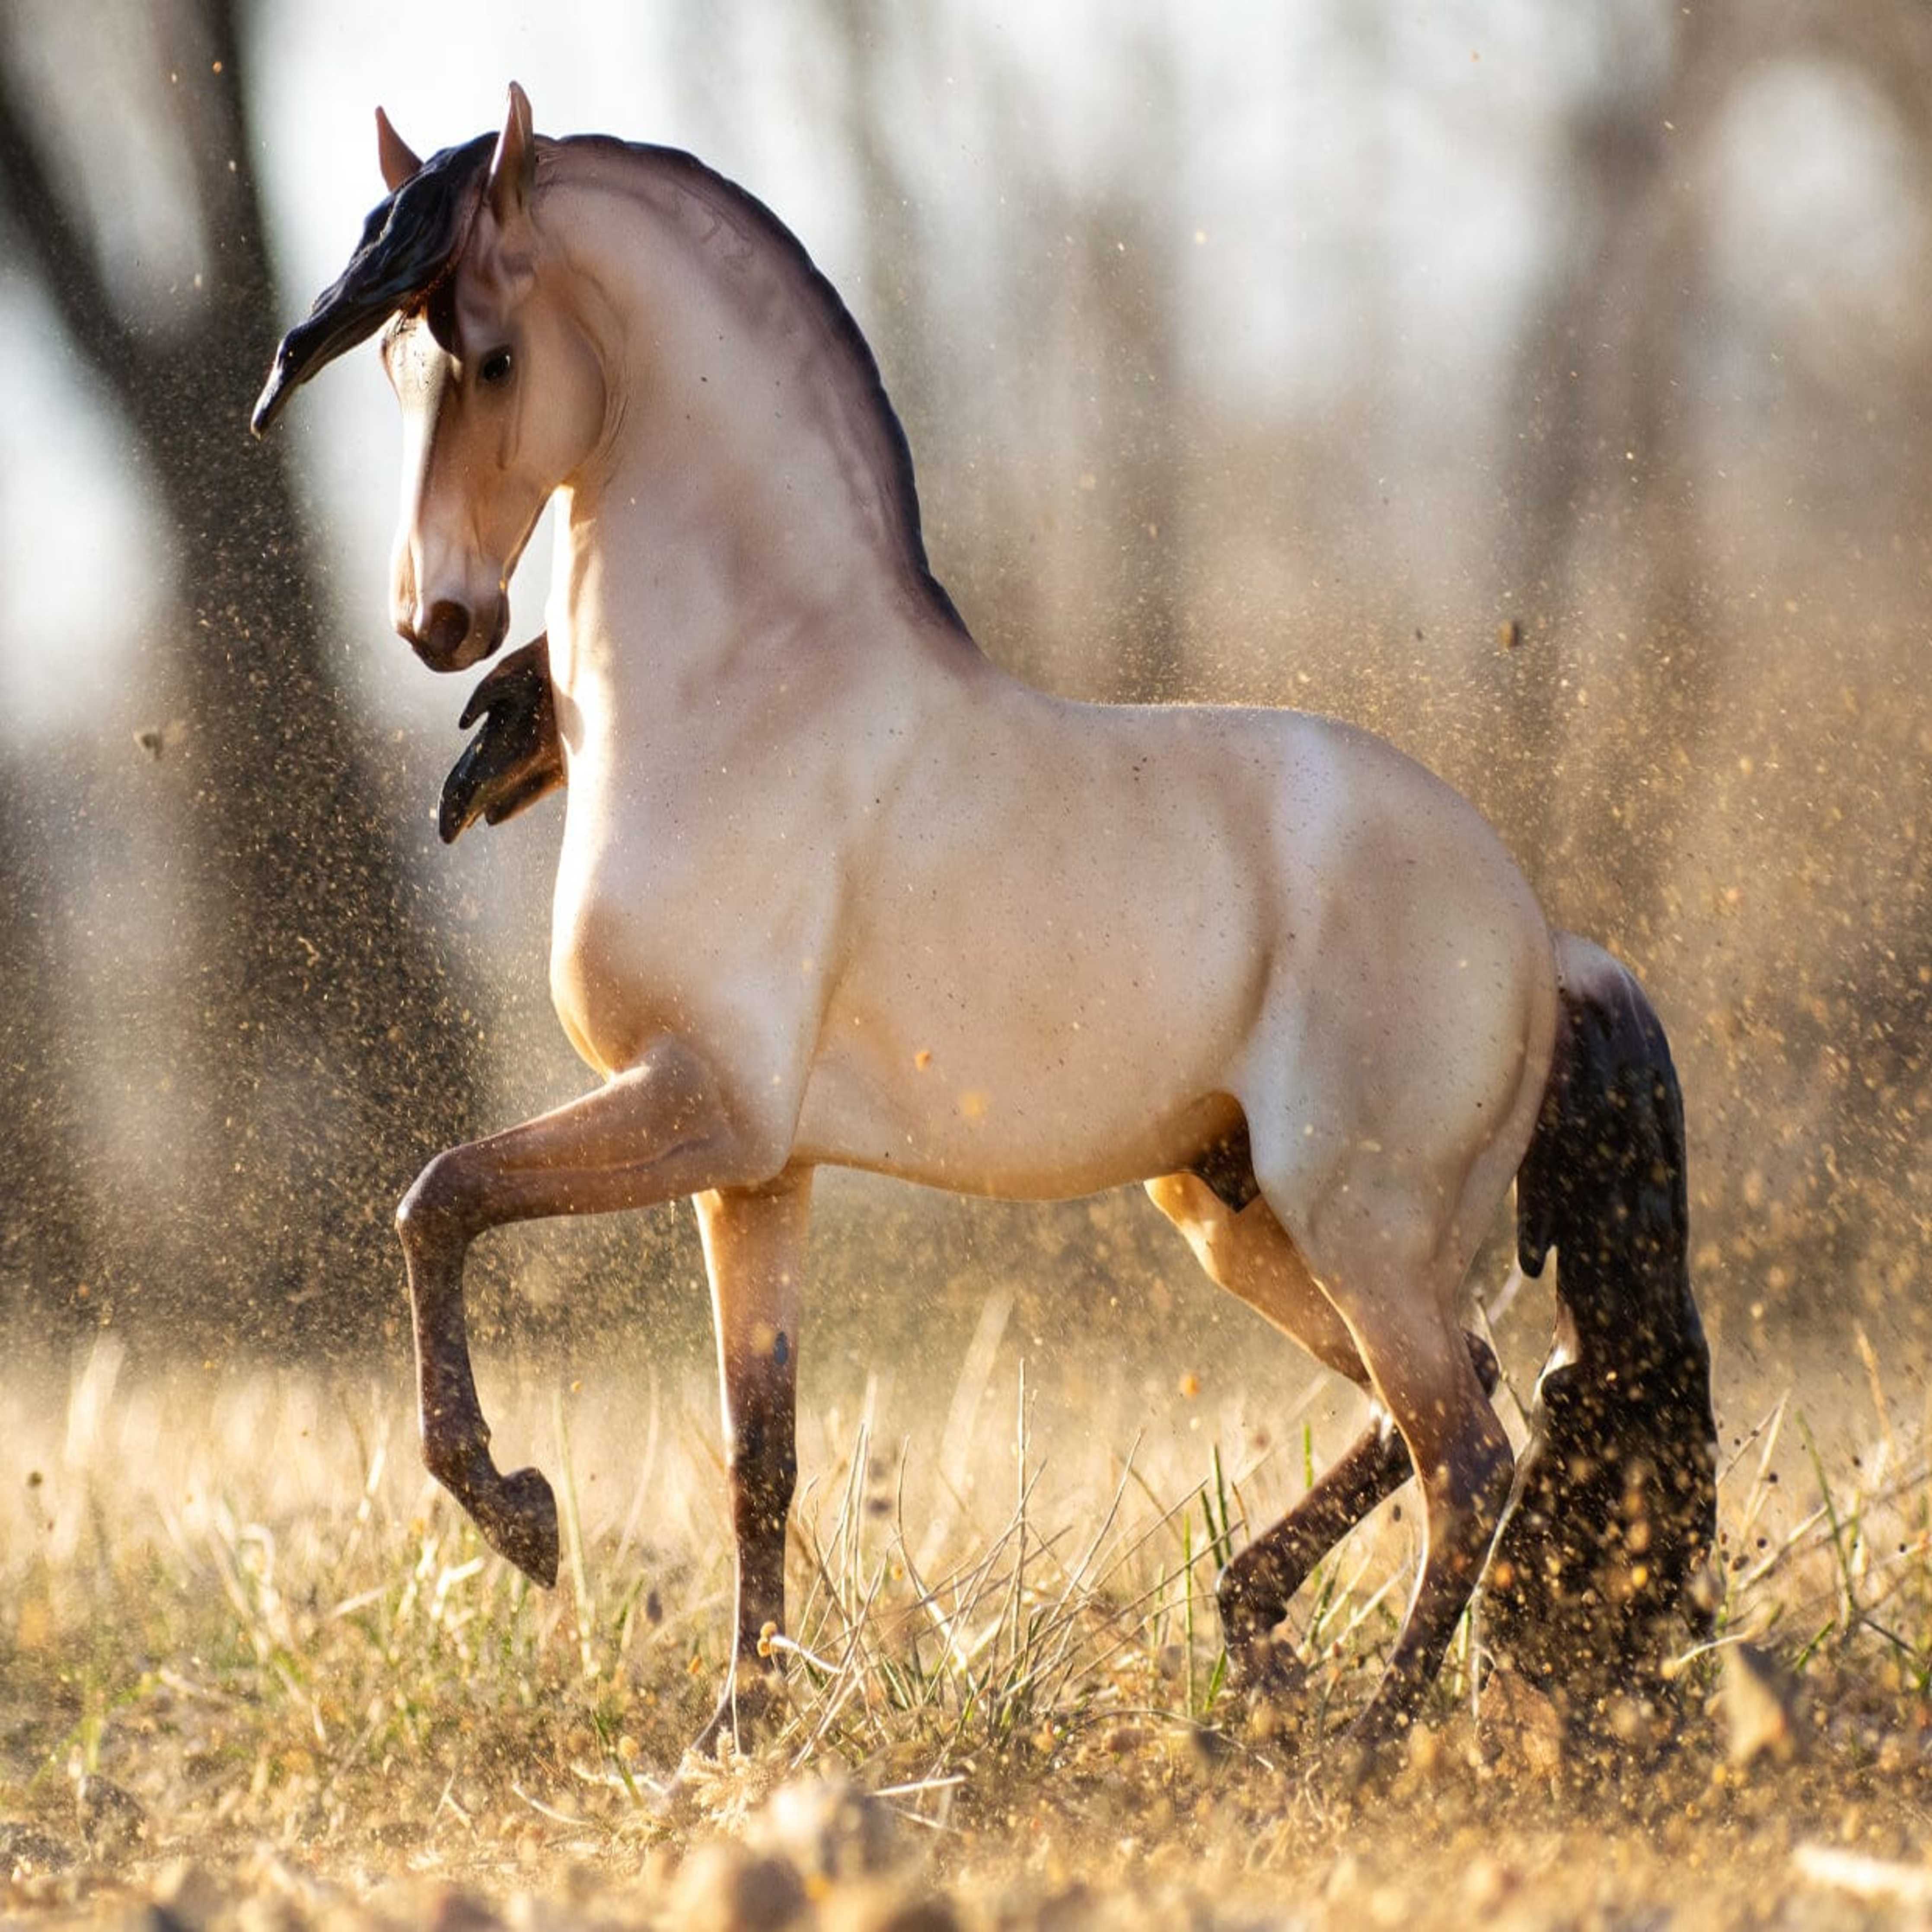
column 1525, row 1724
column 187, row 1892
column 25, row 1851
column 1487, row 1882
column 877, row 1907
column 827, row 1828
column 111, row 1820
column 155, row 1917
column 267, row 1912
column 454, row 1910
column 1760, row 1698
column 725, row 1888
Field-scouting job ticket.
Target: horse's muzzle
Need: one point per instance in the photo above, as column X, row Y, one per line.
column 453, row 637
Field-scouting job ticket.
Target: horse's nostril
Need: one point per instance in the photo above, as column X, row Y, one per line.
column 449, row 626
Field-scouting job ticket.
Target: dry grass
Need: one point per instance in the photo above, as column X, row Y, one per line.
column 240, row 1629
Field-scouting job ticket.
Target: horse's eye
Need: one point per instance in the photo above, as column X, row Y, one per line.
column 496, row 366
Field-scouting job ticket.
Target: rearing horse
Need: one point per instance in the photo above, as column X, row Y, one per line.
column 834, row 888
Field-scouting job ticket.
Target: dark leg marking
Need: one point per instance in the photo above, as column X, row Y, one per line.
column 517, row 1514
column 762, row 1469
column 1464, row 1493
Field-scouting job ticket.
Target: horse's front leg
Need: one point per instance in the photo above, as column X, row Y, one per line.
column 654, row 1132
column 755, row 1251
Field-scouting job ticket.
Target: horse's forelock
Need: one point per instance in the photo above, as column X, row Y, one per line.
column 411, row 244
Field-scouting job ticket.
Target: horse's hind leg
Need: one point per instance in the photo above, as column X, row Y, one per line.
column 1255, row 1589
column 1423, row 1373
column 755, row 1251
column 1247, row 1252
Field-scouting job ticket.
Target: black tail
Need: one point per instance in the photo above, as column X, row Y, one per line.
column 1600, row 1562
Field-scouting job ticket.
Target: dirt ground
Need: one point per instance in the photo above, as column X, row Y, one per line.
column 1147, row 1824
column 256, row 1672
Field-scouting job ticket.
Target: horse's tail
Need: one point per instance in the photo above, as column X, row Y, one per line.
column 1605, row 1544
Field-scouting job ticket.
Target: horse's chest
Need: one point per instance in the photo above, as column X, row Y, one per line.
column 677, row 920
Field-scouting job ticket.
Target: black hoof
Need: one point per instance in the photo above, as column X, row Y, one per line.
column 1366, row 1756
column 516, row 758
column 1266, row 1670
column 519, row 1522
column 748, row 1712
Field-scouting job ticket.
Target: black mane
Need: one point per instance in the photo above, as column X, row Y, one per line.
column 409, row 243
column 817, row 289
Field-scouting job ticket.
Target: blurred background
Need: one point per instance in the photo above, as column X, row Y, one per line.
column 1545, row 388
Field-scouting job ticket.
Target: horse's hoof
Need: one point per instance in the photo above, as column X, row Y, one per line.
column 1358, row 1766
column 516, row 758
column 520, row 1524
column 1267, row 1671
column 1368, row 1754
column 748, row 1712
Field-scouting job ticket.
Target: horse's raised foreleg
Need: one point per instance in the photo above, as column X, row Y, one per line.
column 1255, row 1590
column 653, row 1132
column 755, row 1251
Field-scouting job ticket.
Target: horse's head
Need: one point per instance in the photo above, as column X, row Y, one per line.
column 502, row 399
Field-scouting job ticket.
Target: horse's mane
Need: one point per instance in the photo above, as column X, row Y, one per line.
column 749, row 216
column 412, row 241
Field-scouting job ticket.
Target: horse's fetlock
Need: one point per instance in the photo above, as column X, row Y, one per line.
column 1482, row 1360
column 440, row 1458
column 436, row 1207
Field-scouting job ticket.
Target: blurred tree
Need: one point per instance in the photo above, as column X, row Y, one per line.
column 44, row 1247
column 1597, row 416
column 333, row 1050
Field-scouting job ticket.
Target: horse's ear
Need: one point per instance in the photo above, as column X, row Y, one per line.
column 399, row 160
column 513, row 167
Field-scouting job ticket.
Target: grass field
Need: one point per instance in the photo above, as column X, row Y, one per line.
column 256, row 1670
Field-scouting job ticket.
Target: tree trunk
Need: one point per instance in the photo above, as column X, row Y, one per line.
column 333, row 1051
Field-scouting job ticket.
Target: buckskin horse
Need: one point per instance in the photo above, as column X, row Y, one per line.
column 835, row 888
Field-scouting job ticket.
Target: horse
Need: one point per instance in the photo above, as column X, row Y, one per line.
column 835, row 888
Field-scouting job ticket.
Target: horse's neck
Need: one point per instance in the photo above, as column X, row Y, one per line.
column 737, row 520
column 668, row 631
